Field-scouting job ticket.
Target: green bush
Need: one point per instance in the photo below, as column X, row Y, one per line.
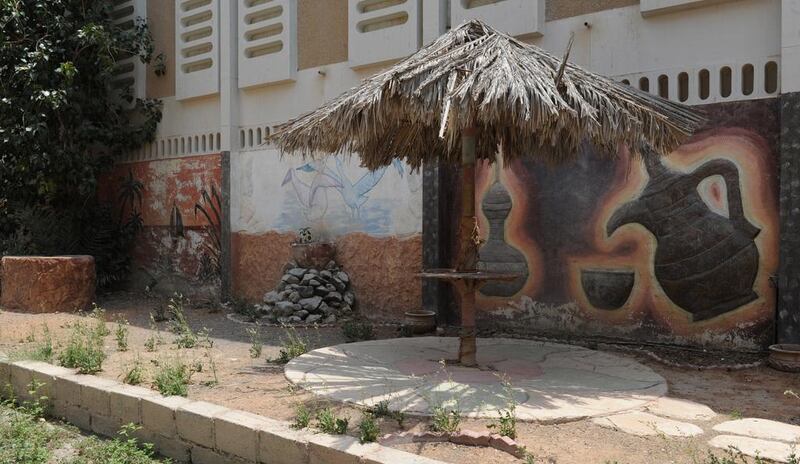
column 445, row 420
column 84, row 350
column 368, row 429
column 124, row 449
column 302, row 417
column 172, row 378
column 64, row 118
column 329, row 423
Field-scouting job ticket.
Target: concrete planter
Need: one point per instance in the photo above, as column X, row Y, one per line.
column 313, row 254
column 47, row 284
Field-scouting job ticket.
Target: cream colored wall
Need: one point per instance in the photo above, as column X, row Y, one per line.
column 161, row 20
column 558, row 9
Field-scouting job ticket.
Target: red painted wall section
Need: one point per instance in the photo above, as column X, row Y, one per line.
column 168, row 183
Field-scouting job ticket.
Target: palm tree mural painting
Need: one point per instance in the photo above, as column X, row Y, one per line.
column 354, row 194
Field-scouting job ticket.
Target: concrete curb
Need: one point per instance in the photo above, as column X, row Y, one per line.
column 183, row 429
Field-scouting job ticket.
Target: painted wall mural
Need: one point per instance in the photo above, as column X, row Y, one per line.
column 333, row 196
column 679, row 249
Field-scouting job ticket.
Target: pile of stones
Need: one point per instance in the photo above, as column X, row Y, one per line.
column 308, row 296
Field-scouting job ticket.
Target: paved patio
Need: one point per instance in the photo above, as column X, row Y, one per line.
column 549, row 382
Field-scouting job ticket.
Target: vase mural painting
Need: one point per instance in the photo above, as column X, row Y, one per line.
column 705, row 262
column 496, row 255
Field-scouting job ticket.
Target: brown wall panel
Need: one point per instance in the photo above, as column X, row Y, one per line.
column 558, row 9
column 161, row 19
column 321, row 32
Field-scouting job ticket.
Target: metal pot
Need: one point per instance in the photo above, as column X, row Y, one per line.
column 785, row 357
column 421, row 322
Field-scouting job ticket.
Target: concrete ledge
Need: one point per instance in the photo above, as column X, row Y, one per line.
column 186, row 430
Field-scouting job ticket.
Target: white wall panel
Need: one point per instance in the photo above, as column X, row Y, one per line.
column 515, row 17
column 383, row 30
column 197, row 47
column 267, row 41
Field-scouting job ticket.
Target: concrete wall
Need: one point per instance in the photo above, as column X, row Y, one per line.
column 675, row 46
column 172, row 263
column 684, row 251
column 180, row 428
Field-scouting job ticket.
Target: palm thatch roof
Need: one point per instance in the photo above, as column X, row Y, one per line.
column 518, row 96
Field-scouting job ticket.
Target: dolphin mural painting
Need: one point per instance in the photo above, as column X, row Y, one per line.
column 354, row 194
column 314, row 203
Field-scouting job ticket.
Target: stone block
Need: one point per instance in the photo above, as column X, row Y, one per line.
column 78, row 417
column 105, row 425
column 386, row 455
column 158, row 414
column 94, row 394
column 126, row 402
column 236, row 433
column 195, row 422
column 171, row 447
column 21, row 378
column 40, row 284
column 69, row 389
column 336, row 449
column 202, row 455
column 5, row 377
column 45, row 376
column 279, row 444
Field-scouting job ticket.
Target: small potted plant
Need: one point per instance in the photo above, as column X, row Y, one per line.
column 309, row 252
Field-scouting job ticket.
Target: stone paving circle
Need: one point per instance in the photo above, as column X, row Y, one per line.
column 550, row 382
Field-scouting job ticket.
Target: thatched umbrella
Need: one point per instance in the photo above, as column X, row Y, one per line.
column 476, row 92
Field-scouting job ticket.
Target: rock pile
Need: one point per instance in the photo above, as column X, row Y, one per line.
column 308, row 295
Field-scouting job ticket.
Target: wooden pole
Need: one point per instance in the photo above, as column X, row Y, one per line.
column 468, row 248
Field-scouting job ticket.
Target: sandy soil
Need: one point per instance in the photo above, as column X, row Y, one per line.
column 258, row 386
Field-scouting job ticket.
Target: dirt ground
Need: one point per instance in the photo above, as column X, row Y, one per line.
column 259, row 386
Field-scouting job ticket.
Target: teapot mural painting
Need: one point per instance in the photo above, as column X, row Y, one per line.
column 705, row 262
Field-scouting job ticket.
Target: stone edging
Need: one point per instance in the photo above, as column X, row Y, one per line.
column 183, row 429
column 463, row 437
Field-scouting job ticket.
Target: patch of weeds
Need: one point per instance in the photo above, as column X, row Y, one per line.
column 327, row 422
column 406, row 331
column 292, row 346
column 24, row 438
column 354, row 331
column 42, row 351
column 172, row 378
column 124, row 449
column 368, row 429
column 302, row 417
column 179, row 325
column 84, row 350
column 153, row 340
column 506, row 424
column 215, row 380
column 256, row 345
column 445, row 419
column 736, row 414
column 121, row 334
column 99, row 315
column 247, row 310
column 135, row 375
column 381, row 409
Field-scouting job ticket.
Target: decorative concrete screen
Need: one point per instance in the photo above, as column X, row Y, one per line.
column 748, row 79
column 515, row 17
column 654, row 7
column 383, row 30
column 197, row 45
column 267, row 41
column 130, row 71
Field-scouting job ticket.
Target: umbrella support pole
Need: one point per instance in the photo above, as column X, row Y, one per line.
column 469, row 243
